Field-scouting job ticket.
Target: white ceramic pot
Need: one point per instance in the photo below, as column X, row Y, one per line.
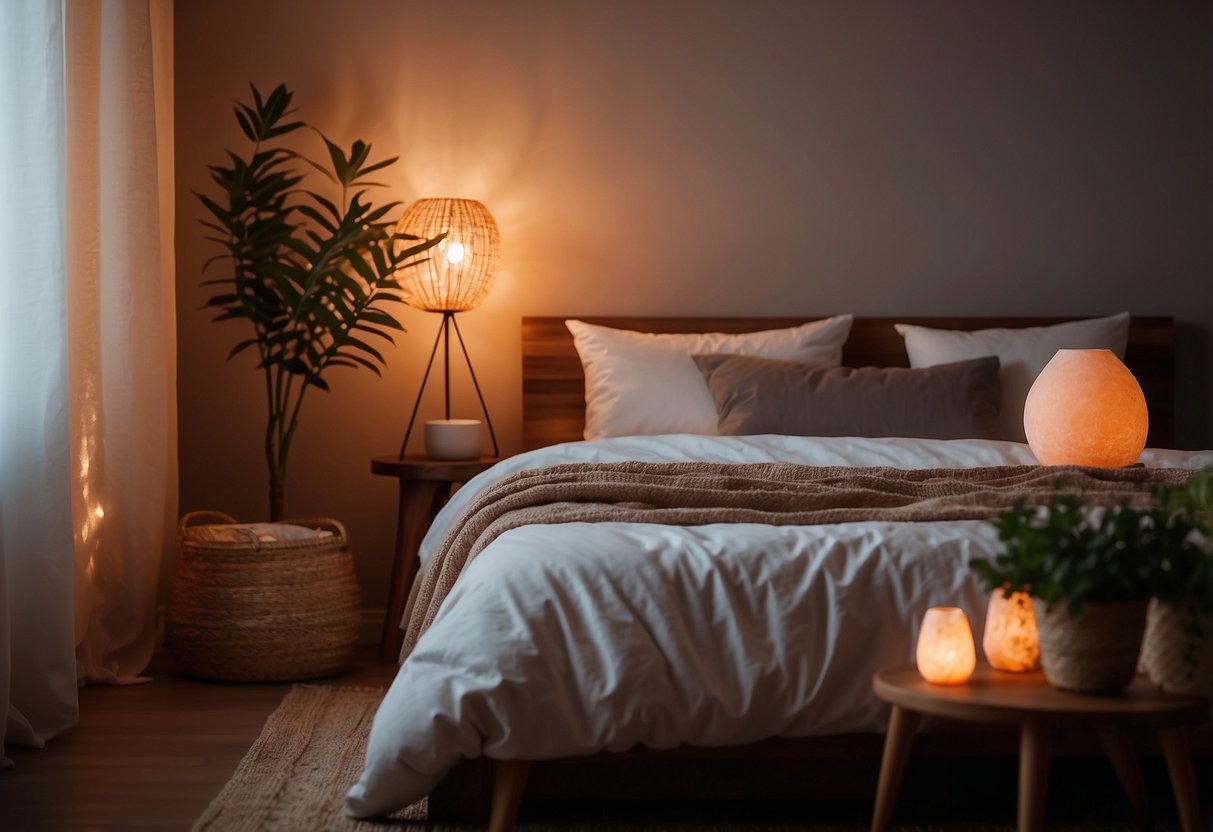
column 454, row 439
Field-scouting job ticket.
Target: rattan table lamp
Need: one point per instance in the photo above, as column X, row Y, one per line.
column 457, row 276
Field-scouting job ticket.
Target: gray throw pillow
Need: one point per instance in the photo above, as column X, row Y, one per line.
column 763, row 395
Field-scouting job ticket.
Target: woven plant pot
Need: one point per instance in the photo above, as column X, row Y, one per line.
column 1175, row 659
column 261, row 612
column 1094, row 653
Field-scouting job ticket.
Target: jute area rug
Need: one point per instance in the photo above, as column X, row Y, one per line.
column 311, row 750
column 295, row 776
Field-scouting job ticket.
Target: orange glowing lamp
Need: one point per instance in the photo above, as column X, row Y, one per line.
column 946, row 654
column 1085, row 408
column 1009, row 639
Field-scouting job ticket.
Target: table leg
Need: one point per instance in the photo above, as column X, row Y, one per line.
column 1034, row 744
column 419, row 501
column 1178, row 752
column 509, row 782
column 1124, row 760
column 902, row 725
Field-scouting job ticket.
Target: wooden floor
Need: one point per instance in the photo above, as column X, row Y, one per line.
column 147, row 756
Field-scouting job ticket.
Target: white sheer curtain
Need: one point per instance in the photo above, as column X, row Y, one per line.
column 87, row 359
column 37, row 666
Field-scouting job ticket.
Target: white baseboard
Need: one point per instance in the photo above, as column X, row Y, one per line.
column 370, row 627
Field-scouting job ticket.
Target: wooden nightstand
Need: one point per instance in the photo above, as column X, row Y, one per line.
column 425, row 486
column 1027, row 700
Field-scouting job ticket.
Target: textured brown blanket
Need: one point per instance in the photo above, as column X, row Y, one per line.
column 697, row 493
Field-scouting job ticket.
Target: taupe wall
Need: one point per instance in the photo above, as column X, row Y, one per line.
column 883, row 158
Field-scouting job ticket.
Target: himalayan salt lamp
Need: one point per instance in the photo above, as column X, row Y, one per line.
column 946, row 654
column 1009, row 640
column 1085, row 408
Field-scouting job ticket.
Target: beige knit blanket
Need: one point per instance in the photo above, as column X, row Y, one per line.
column 697, row 493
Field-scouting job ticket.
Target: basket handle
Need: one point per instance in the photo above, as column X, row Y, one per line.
column 319, row 523
column 194, row 516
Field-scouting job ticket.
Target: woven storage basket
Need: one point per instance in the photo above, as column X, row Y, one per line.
column 1094, row 653
column 1175, row 659
column 260, row 612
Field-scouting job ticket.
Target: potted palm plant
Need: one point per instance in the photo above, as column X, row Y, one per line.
column 1092, row 571
column 313, row 277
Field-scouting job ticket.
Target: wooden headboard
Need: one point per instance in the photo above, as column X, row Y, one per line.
column 553, row 387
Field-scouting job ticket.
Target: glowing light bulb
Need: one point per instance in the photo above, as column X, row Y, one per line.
column 454, row 253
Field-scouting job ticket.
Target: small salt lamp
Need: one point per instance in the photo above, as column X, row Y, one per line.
column 1009, row 640
column 1085, row 408
column 945, row 654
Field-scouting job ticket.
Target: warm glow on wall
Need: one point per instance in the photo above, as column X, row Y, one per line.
column 1085, row 408
column 946, row 654
column 1009, row 640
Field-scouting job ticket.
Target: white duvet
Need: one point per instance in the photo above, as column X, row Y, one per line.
column 566, row 640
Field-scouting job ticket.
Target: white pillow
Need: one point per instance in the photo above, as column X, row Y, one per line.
column 639, row 383
column 1022, row 354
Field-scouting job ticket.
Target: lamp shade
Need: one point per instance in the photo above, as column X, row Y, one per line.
column 459, row 271
column 945, row 653
column 1085, row 408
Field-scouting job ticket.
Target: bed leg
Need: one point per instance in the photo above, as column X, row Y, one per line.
column 509, row 782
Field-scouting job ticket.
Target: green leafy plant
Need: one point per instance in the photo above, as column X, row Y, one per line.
column 1073, row 553
column 1190, row 580
column 1188, row 583
column 315, row 277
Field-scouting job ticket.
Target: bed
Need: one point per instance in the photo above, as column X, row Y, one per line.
column 611, row 650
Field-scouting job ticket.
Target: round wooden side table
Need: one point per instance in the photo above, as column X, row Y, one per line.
column 1027, row 700
column 425, row 486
